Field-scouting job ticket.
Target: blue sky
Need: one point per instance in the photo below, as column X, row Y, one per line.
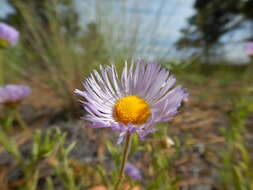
column 172, row 17
column 158, row 22
column 4, row 8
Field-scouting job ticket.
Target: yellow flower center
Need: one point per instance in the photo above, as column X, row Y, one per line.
column 3, row 43
column 132, row 109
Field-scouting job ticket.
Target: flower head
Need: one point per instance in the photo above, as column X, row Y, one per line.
column 8, row 35
column 13, row 94
column 249, row 48
column 132, row 171
column 133, row 103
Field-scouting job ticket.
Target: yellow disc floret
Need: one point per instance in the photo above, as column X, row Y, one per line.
column 3, row 43
column 132, row 109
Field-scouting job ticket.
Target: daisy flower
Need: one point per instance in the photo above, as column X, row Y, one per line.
column 134, row 102
column 132, row 171
column 13, row 94
column 249, row 48
column 8, row 35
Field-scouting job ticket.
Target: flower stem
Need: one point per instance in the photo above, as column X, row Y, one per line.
column 19, row 119
column 124, row 160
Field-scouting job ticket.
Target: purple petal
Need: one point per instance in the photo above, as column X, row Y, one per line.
column 8, row 33
column 132, row 171
column 13, row 93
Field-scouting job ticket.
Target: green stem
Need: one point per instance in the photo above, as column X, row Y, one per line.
column 20, row 120
column 9, row 122
column 124, row 160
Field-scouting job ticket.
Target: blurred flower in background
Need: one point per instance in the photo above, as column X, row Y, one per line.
column 249, row 48
column 132, row 171
column 8, row 35
column 145, row 94
column 13, row 94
